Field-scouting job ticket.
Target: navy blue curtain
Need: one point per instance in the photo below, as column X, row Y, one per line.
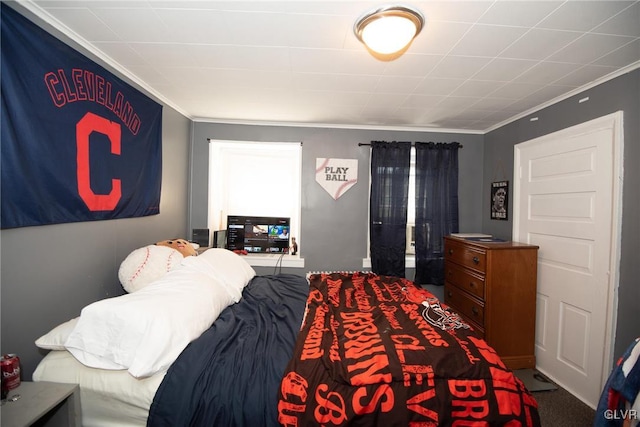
column 436, row 207
column 390, row 164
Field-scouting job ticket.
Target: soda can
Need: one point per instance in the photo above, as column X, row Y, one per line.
column 10, row 373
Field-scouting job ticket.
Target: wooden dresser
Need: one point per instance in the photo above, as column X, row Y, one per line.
column 493, row 287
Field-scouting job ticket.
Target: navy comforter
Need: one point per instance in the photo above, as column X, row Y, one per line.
column 231, row 374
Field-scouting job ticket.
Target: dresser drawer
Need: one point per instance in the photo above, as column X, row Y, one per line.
column 467, row 256
column 464, row 304
column 464, row 279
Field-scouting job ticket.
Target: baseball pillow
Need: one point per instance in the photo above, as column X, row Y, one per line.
column 147, row 264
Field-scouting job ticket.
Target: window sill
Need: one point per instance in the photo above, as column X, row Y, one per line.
column 256, row 260
column 409, row 261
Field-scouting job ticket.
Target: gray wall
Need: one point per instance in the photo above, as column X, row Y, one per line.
column 334, row 232
column 622, row 93
column 49, row 273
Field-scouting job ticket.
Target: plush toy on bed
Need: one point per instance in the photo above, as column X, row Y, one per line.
column 180, row 245
column 149, row 263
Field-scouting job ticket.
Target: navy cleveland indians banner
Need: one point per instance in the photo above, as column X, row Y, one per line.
column 78, row 143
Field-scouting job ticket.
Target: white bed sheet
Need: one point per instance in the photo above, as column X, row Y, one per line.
column 107, row 398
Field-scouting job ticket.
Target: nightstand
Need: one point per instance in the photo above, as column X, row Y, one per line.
column 45, row 403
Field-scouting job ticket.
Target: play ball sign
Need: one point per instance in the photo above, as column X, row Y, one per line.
column 336, row 176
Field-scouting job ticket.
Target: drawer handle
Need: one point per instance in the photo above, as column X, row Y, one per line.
column 476, row 260
column 450, row 251
column 449, row 294
column 475, row 311
column 472, row 285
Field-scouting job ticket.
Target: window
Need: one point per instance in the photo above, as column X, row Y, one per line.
column 432, row 174
column 411, row 207
column 254, row 179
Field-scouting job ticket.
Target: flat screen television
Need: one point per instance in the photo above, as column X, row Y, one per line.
column 258, row 234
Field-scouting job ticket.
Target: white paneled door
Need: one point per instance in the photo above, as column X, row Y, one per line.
column 567, row 197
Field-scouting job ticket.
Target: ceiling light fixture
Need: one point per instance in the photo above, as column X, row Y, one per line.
column 387, row 32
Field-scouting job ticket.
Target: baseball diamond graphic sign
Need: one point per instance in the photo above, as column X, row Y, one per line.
column 336, row 176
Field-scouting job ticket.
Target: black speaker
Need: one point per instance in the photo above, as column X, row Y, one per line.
column 201, row 237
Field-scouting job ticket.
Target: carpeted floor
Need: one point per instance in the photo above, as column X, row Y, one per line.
column 559, row 408
column 535, row 380
column 556, row 406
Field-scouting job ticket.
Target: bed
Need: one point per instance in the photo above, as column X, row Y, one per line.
column 326, row 349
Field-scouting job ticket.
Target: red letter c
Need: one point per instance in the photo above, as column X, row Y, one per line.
column 88, row 124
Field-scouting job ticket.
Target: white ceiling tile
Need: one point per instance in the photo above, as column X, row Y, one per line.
column 505, row 113
column 151, row 76
column 259, row 28
column 546, row 93
column 583, row 75
column 437, row 86
column 492, row 104
column 122, row 53
column 516, row 91
column 453, row 11
column 134, row 25
column 310, row 7
column 518, row 13
column 457, row 102
column 589, row 48
column 320, row 31
column 477, row 88
column 260, row 58
column 471, row 114
column 353, row 99
column 538, row 44
column 395, row 84
column 196, row 26
column 504, row 70
column 85, row 24
column 487, row 40
column 441, row 115
column 582, row 15
column 165, row 54
column 625, row 23
column 496, row 117
column 546, row 72
column 335, row 61
column 381, row 114
column 525, row 104
column 415, row 65
column 458, row 67
column 335, row 82
column 386, row 100
column 626, row 55
column 248, row 78
column 438, row 37
column 422, row 101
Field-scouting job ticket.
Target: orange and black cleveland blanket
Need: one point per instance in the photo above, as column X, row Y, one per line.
column 380, row 351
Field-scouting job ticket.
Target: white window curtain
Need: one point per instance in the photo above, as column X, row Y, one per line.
column 254, row 179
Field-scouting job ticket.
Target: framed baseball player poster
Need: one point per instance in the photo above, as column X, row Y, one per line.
column 500, row 200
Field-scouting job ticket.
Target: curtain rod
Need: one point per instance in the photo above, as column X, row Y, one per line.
column 360, row 144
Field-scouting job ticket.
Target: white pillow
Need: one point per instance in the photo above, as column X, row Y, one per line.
column 144, row 265
column 145, row 331
column 55, row 338
column 230, row 268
